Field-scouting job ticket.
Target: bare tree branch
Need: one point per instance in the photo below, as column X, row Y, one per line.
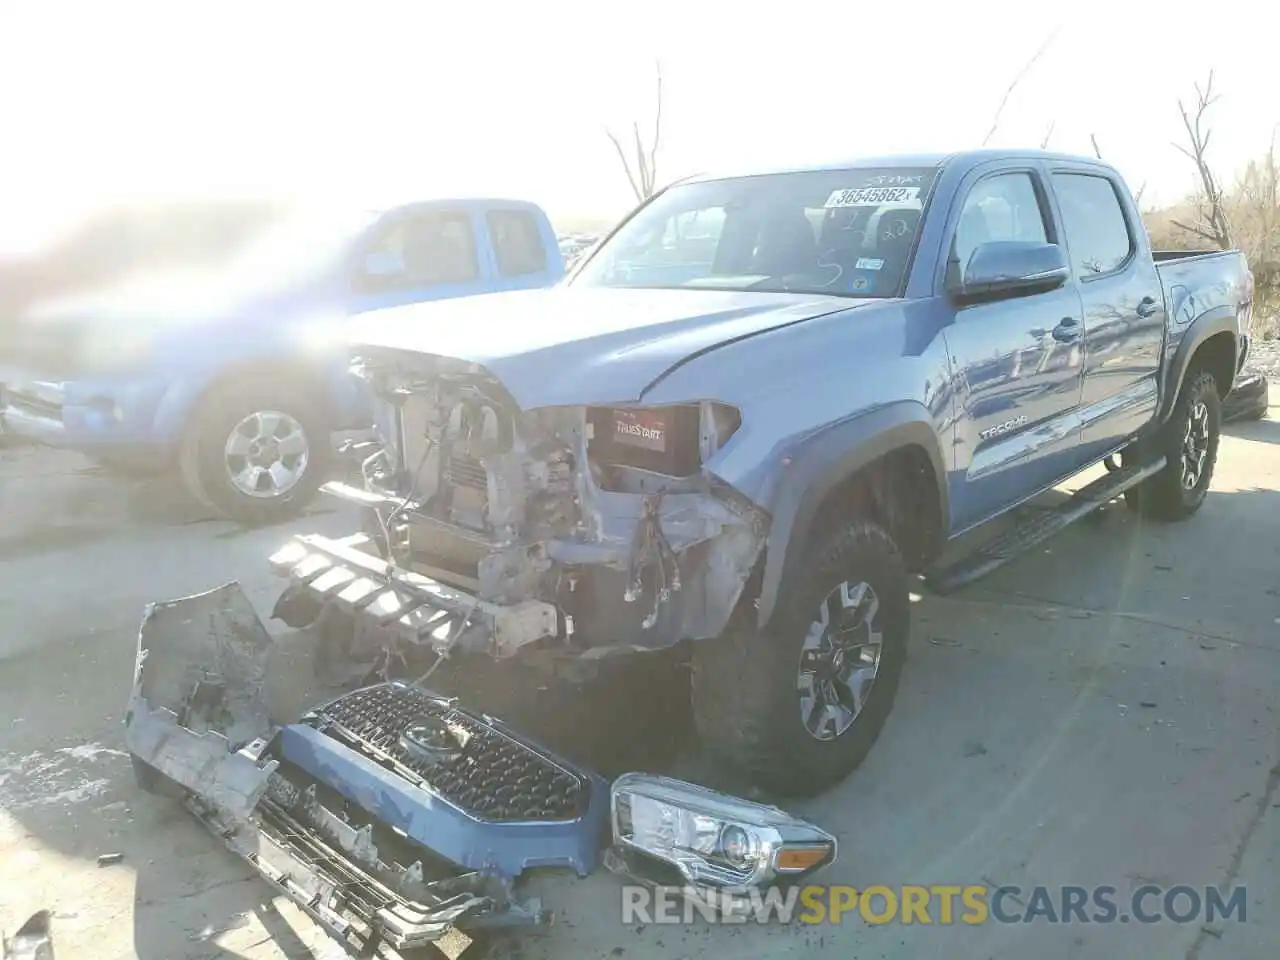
column 657, row 132
column 642, row 170
column 642, row 165
column 995, row 120
column 1211, row 208
column 1193, row 229
column 626, row 166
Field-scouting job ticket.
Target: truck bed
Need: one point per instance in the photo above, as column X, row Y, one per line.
column 1200, row 283
column 1164, row 256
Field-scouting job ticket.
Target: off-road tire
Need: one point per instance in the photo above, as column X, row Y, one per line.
column 745, row 701
column 202, row 453
column 1163, row 496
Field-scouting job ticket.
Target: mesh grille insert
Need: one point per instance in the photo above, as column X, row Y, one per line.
column 490, row 777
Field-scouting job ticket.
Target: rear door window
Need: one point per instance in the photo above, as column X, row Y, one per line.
column 517, row 242
column 1097, row 230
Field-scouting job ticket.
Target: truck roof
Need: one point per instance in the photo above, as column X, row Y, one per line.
column 964, row 159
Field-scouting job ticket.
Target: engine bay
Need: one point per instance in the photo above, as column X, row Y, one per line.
column 608, row 514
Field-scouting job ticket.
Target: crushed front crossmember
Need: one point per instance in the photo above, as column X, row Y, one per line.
column 393, row 817
column 341, row 573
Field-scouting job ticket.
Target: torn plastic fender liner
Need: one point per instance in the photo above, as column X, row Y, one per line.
column 197, row 712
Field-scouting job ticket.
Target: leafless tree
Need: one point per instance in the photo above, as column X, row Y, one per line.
column 1097, row 152
column 642, row 170
column 1211, row 215
column 1255, row 216
column 1026, row 68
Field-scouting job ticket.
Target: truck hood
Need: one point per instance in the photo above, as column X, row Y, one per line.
column 576, row 345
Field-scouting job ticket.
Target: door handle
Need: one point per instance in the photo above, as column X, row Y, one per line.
column 1067, row 330
column 1147, row 306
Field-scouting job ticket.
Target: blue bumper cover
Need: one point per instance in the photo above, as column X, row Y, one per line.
column 502, row 847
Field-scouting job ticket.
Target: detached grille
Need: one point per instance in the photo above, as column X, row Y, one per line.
column 493, row 777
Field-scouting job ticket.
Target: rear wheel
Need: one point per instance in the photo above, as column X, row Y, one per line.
column 1189, row 444
column 256, row 450
column 797, row 706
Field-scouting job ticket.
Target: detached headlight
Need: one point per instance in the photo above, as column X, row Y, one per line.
column 711, row 838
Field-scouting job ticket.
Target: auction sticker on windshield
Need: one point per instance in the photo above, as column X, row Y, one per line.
column 871, row 196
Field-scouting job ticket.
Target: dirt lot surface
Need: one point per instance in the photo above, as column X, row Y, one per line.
column 1103, row 711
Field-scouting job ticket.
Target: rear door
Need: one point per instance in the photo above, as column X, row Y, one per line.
column 1018, row 362
column 427, row 253
column 1124, row 310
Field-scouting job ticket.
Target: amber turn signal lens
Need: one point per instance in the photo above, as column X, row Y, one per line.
column 796, row 858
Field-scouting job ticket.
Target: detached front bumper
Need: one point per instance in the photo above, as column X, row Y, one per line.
column 385, row 854
column 396, row 818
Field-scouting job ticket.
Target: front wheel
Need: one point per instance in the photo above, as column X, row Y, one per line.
column 1189, row 444
column 797, row 706
column 256, row 451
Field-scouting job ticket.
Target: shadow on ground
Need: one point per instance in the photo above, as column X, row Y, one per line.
column 1262, row 431
column 57, row 500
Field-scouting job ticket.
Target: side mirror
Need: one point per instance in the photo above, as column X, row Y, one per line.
column 383, row 264
column 1010, row 268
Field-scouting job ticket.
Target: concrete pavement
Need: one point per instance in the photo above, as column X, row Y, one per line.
column 1103, row 711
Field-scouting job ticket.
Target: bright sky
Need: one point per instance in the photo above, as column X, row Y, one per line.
column 423, row 98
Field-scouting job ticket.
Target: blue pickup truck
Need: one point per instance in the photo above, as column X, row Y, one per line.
column 735, row 433
column 233, row 368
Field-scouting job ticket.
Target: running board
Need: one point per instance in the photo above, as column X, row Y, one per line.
column 1025, row 535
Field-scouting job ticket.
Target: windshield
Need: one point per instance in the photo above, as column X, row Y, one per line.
column 300, row 246
column 844, row 232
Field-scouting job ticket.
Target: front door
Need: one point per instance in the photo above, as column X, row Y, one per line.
column 1018, row 362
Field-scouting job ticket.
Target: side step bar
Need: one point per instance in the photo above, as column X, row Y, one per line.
column 1040, row 528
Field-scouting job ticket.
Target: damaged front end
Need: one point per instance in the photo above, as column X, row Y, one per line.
column 395, row 818
column 581, row 531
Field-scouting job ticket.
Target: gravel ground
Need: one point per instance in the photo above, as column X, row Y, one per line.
column 1264, row 356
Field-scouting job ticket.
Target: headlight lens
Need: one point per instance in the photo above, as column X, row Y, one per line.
column 711, row 838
